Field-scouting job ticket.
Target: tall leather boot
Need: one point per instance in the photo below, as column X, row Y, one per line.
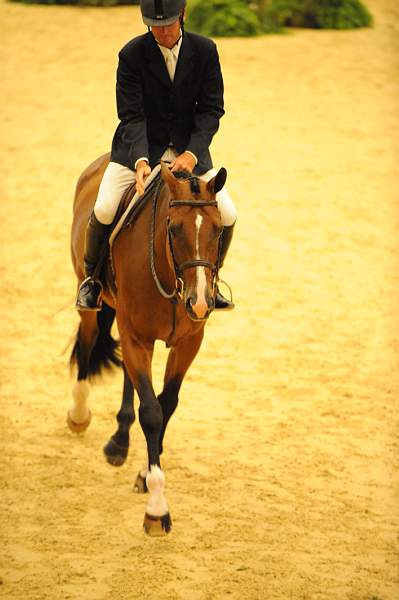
column 221, row 303
column 90, row 290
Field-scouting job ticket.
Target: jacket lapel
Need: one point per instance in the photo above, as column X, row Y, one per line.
column 184, row 65
column 156, row 62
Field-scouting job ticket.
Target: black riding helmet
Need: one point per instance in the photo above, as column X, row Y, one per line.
column 157, row 13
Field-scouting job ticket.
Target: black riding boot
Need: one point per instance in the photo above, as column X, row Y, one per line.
column 89, row 293
column 227, row 235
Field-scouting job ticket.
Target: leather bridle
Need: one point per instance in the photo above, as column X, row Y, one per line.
column 177, row 293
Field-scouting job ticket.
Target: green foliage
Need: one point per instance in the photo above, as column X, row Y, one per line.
column 223, row 18
column 251, row 17
column 342, row 14
column 318, row 14
column 80, row 2
column 280, row 13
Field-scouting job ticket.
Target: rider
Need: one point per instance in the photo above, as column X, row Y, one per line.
column 169, row 94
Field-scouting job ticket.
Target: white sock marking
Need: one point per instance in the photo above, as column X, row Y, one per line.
column 144, row 472
column 79, row 411
column 157, row 505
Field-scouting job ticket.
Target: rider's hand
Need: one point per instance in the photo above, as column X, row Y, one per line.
column 184, row 162
column 143, row 170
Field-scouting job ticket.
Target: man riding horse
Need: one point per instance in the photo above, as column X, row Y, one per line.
column 169, row 96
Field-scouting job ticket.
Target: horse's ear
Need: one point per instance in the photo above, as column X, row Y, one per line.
column 168, row 176
column 215, row 185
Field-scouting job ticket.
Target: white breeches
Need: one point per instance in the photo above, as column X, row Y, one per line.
column 118, row 178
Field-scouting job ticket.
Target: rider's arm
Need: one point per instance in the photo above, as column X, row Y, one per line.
column 209, row 108
column 129, row 100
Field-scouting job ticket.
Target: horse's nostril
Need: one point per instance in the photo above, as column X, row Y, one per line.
column 189, row 304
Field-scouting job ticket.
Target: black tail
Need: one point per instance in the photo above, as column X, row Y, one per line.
column 104, row 354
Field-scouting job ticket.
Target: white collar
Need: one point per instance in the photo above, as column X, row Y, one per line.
column 175, row 50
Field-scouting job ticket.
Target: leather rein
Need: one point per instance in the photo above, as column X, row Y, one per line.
column 177, row 294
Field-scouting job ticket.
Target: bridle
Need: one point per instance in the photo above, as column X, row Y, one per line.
column 178, row 292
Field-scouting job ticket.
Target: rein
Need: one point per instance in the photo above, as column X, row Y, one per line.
column 177, row 293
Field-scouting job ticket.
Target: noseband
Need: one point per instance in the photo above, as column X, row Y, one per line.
column 178, row 292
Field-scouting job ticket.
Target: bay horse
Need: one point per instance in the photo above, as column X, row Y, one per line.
column 160, row 285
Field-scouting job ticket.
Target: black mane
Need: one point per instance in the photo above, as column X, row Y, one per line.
column 194, row 182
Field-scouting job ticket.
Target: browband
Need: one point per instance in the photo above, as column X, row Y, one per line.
column 193, row 203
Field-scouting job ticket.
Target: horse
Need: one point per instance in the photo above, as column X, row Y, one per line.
column 160, row 284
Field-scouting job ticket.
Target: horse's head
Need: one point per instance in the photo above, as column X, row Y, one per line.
column 193, row 240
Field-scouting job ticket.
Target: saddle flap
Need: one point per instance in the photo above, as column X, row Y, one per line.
column 132, row 204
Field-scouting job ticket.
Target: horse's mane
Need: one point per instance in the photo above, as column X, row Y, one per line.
column 194, row 183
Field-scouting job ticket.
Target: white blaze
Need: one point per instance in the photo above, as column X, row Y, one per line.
column 200, row 307
column 198, row 223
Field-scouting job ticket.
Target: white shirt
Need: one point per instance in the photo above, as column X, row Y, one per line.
column 171, row 56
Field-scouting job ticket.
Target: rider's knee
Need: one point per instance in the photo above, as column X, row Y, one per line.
column 105, row 213
column 115, row 181
column 226, row 206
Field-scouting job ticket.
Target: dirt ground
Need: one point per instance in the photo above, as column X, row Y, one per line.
column 282, row 459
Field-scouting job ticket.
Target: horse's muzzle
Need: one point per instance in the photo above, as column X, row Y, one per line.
column 199, row 311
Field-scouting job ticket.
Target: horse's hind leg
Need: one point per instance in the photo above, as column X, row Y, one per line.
column 117, row 448
column 94, row 349
column 79, row 415
column 180, row 358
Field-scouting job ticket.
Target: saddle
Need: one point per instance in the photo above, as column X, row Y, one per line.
column 129, row 208
column 132, row 204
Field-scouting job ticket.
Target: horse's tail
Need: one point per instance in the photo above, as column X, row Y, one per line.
column 106, row 350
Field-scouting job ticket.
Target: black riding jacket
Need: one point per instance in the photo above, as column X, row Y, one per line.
column 156, row 113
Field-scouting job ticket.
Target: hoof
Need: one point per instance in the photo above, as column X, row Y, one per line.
column 140, row 485
column 78, row 427
column 115, row 454
column 157, row 526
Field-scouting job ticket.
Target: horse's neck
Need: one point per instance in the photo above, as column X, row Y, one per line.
column 161, row 233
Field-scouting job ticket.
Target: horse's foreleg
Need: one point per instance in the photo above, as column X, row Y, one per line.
column 79, row 415
column 180, row 358
column 138, row 364
column 117, row 448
